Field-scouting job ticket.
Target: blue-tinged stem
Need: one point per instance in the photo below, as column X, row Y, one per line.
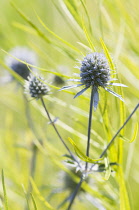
column 57, row 132
column 116, row 134
column 73, row 196
column 89, row 126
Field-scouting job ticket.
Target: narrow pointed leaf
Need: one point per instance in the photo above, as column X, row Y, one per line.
column 55, row 35
column 80, row 92
column 40, row 197
column 81, row 155
column 71, row 86
column 95, row 99
column 115, row 94
column 134, row 133
column 107, row 54
column 118, row 84
column 88, row 37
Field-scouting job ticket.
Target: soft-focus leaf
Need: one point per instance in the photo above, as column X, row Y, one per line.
column 39, row 196
column 81, row 155
column 4, row 192
column 133, row 138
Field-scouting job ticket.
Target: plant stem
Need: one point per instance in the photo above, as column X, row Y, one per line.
column 58, row 131
column 112, row 140
column 75, row 193
column 89, row 127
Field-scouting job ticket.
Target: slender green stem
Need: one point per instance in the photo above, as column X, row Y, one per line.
column 112, row 140
column 75, row 193
column 89, row 126
column 56, row 130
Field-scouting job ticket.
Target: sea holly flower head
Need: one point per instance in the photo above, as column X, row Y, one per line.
column 24, row 54
column 36, row 87
column 95, row 73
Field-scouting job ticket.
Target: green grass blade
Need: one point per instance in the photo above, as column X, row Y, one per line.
column 39, row 196
column 107, row 54
column 56, row 36
column 133, row 138
column 30, row 23
column 88, row 37
column 87, row 15
column 34, row 203
column 124, row 200
column 26, row 196
column 70, row 21
column 73, row 11
column 30, row 65
column 4, row 192
column 24, row 28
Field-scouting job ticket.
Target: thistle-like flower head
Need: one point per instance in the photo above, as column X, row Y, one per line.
column 36, row 87
column 24, row 54
column 95, row 70
column 95, row 73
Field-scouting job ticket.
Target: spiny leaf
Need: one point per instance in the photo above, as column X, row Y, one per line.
column 81, row 155
column 4, row 192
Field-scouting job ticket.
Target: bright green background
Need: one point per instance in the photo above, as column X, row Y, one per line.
column 116, row 22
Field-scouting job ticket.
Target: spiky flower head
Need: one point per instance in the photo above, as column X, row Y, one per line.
column 95, row 70
column 24, row 54
column 36, row 87
column 95, row 73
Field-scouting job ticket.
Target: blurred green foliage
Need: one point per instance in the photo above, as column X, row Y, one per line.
column 71, row 28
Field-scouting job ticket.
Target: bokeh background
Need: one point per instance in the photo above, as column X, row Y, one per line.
column 116, row 22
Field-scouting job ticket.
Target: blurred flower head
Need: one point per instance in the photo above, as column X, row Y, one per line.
column 35, row 86
column 95, row 73
column 24, row 54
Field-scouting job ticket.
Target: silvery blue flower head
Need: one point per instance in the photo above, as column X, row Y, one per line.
column 95, row 73
column 24, row 54
column 35, row 86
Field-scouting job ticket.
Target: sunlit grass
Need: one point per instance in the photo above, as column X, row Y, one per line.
column 62, row 32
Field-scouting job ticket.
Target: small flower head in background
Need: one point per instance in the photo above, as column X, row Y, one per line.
column 95, row 72
column 35, row 86
column 24, row 54
column 58, row 80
